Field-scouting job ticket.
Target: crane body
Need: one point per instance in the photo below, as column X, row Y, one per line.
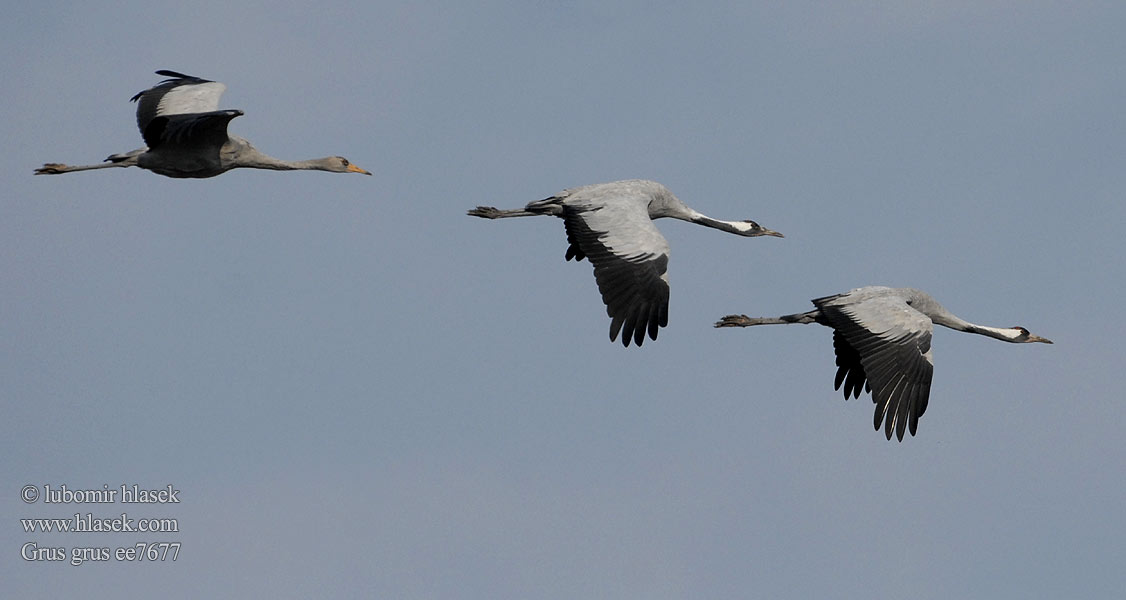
column 611, row 224
column 882, row 341
column 186, row 136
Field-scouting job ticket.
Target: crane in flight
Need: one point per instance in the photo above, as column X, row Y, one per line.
column 186, row 136
column 612, row 225
column 882, row 339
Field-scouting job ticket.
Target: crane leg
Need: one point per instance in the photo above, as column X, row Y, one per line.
column 489, row 212
column 745, row 321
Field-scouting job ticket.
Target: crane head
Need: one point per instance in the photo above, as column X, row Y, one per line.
column 749, row 228
column 1024, row 336
column 342, row 165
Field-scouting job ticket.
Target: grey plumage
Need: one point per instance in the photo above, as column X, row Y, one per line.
column 611, row 224
column 186, row 136
column 882, row 341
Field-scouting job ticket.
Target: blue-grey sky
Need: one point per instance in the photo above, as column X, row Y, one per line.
column 362, row 392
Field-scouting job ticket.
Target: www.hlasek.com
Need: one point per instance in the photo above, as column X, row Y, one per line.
column 154, row 551
column 88, row 523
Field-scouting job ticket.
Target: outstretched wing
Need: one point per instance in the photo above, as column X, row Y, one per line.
column 630, row 259
column 883, row 345
column 195, row 130
column 181, row 94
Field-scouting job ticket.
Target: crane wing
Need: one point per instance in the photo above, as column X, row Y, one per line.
column 630, row 258
column 882, row 344
column 181, row 94
column 199, row 130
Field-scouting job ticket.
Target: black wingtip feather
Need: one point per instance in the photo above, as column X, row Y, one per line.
column 629, row 328
column 900, row 426
column 639, row 334
column 615, row 327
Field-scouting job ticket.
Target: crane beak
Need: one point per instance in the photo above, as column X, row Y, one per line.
column 354, row 169
column 1036, row 338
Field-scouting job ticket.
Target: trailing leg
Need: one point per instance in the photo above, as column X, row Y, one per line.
column 745, row 321
column 489, row 212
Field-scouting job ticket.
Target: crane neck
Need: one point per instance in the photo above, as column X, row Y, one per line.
column 263, row 161
column 736, row 227
column 240, row 153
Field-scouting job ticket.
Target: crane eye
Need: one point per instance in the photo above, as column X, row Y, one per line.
column 345, row 161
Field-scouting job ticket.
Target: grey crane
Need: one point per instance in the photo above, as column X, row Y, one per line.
column 612, row 225
column 882, row 339
column 186, row 136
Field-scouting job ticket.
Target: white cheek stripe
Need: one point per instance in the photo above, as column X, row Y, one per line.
column 1004, row 332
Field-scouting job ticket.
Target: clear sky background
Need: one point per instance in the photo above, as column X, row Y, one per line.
column 362, row 392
